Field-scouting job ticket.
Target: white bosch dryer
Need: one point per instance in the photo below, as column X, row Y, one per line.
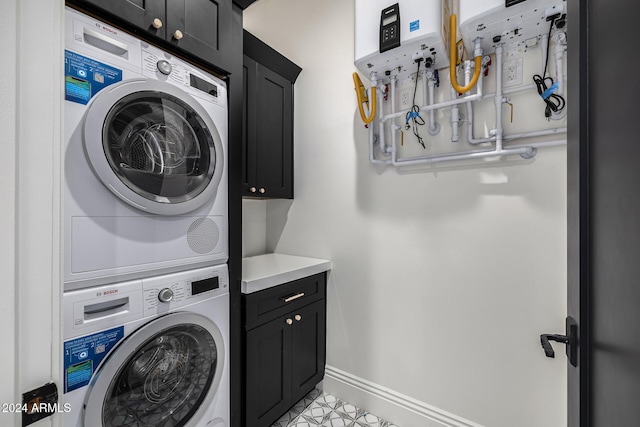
column 145, row 159
column 148, row 352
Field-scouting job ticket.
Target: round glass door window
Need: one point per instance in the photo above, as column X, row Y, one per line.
column 154, row 146
column 159, row 147
column 165, row 381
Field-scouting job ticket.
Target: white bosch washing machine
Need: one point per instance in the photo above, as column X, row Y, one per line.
column 145, row 159
column 149, row 352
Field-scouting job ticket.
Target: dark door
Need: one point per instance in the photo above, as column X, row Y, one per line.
column 268, row 375
column 275, row 130
column 204, row 29
column 308, row 344
column 604, row 213
column 140, row 13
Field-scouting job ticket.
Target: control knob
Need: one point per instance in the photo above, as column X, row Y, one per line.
column 165, row 295
column 164, row 67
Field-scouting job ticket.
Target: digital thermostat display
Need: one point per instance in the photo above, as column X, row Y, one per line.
column 389, row 20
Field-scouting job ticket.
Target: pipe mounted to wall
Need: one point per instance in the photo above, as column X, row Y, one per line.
column 363, row 98
column 473, row 75
column 499, row 100
column 453, row 55
column 429, row 81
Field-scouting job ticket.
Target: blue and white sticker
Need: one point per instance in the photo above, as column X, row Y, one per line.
column 83, row 355
column 414, row 26
column 84, row 77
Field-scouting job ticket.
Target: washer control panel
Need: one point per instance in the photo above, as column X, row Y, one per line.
column 172, row 291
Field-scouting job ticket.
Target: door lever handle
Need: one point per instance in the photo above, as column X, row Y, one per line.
column 571, row 340
column 546, row 345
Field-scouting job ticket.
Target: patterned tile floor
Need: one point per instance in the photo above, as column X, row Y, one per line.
column 321, row 409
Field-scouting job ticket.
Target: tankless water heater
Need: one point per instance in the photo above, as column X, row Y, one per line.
column 390, row 35
column 518, row 24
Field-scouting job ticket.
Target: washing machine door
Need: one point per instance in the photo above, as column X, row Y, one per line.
column 153, row 146
column 164, row 374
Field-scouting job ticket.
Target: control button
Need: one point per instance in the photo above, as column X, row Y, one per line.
column 164, row 67
column 165, row 295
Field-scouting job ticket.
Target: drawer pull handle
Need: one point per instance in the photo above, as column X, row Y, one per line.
column 293, row 297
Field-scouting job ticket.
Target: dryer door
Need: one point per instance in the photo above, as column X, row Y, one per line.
column 153, row 146
column 164, row 374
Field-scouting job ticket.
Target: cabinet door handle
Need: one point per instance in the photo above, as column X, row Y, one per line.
column 253, row 189
column 293, row 297
column 262, row 191
column 289, row 321
column 298, row 317
column 157, row 23
column 177, row 35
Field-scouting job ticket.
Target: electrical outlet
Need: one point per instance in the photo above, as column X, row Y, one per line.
column 512, row 72
column 405, row 98
column 405, row 92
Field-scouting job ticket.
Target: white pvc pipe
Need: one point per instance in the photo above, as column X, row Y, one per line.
column 498, row 98
column 477, row 154
column 383, row 147
column 545, row 144
column 463, row 156
column 423, row 74
column 455, row 118
column 559, row 53
column 372, row 157
column 470, row 139
column 392, row 84
column 445, row 104
column 475, row 97
column 429, row 80
column 553, row 131
column 467, row 72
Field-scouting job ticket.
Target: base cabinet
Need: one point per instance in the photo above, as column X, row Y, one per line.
column 285, row 355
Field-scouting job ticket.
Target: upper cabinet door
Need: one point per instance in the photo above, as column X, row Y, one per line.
column 202, row 28
column 275, row 129
column 145, row 14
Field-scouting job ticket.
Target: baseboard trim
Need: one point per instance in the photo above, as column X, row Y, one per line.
column 398, row 408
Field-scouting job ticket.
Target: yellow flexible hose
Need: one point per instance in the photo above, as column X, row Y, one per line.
column 362, row 98
column 452, row 60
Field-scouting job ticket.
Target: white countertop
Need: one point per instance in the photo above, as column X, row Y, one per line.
column 264, row 271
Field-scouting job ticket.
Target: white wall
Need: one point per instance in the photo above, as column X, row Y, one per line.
column 443, row 279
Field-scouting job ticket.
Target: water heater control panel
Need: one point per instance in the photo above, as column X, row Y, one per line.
column 390, row 28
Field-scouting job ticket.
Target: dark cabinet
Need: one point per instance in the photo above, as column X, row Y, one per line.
column 201, row 28
column 267, row 121
column 285, row 347
column 243, row 4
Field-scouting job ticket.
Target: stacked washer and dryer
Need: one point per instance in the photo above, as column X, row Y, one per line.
column 146, row 293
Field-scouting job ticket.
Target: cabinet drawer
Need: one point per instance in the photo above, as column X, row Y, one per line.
column 266, row 305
